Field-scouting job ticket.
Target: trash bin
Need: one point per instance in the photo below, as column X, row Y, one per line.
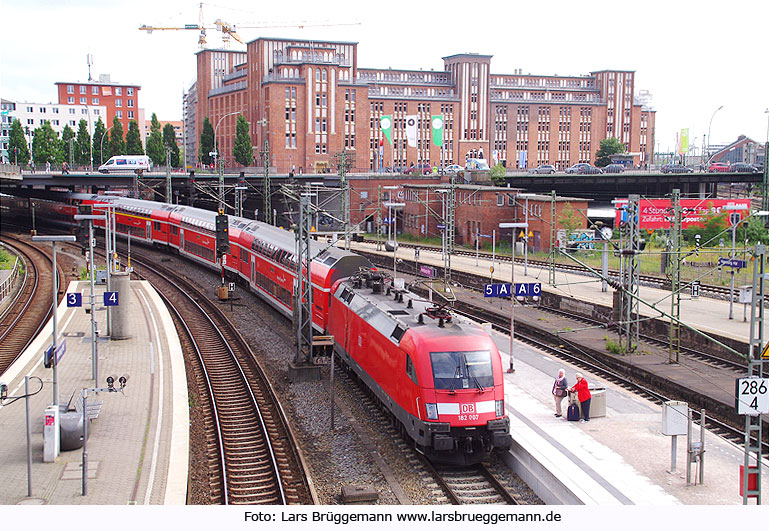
column 598, row 402
column 71, row 424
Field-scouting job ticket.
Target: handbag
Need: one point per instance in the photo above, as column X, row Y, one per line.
column 560, row 392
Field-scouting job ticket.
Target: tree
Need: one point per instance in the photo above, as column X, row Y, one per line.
column 155, row 148
column 755, row 231
column 116, row 139
column 497, row 174
column 46, row 145
column 241, row 149
column 83, row 144
column 133, row 139
column 710, row 229
column 570, row 219
column 206, row 143
column 68, row 134
column 18, row 150
column 98, row 136
column 169, row 142
column 608, row 147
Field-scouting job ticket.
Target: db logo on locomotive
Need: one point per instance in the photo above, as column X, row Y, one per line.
column 467, row 408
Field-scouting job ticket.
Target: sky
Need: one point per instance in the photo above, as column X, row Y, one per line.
column 693, row 57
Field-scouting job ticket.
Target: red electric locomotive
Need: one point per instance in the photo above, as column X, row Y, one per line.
column 440, row 377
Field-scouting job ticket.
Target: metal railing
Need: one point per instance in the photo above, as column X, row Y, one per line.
column 6, row 287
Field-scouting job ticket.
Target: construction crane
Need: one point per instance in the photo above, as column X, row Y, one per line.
column 229, row 31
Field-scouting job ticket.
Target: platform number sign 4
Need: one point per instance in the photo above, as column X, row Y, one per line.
column 752, row 396
column 110, row 298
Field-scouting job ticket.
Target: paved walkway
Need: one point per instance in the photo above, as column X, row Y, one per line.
column 138, row 447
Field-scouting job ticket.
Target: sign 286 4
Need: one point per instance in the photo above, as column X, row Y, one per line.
column 752, row 396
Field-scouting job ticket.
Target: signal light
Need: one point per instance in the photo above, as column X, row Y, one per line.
column 222, row 235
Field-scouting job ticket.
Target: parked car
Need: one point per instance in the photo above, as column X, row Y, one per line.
column 419, row 169
column 742, row 167
column 759, row 167
column 543, row 168
column 614, row 168
column 718, row 167
column 583, row 168
column 452, row 169
column 676, row 168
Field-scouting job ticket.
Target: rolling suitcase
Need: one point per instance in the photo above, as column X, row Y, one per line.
column 572, row 413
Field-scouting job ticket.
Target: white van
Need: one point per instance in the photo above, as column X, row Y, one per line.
column 126, row 163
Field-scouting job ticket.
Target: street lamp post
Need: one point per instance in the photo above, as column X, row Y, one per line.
column 216, row 161
column 53, row 240
column 513, row 226
column 709, row 126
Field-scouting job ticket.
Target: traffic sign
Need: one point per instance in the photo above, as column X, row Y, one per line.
column 751, row 396
column 484, row 235
column 695, row 289
column 496, row 290
column 528, row 289
column 732, row 262
column 74, row 300
column 441, row 226
column 110, row 298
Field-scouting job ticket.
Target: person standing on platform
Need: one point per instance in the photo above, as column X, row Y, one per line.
column 583, row 395
column 559, row 390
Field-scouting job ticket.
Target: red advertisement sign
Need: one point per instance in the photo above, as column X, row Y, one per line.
column 657, row 213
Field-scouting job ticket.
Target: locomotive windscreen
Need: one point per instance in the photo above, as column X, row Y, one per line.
column 462, row 370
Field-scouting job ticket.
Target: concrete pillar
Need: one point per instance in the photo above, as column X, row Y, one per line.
column 703, row 191
column 121, row 282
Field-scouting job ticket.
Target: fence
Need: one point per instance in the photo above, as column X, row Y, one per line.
column 7, row 285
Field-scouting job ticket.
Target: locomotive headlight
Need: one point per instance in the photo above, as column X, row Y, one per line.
column 499, row 408
column 432, row 411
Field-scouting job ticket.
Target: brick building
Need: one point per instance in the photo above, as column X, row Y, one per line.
column 479, row 209
column 121, row 100
column 311, row 100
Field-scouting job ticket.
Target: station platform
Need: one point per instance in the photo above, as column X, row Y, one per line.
column 620, row 459
column 138, row 447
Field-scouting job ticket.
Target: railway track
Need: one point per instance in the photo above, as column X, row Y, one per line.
column 31, row 307
column 251, row 451
column 470, row 485
column 651, row 280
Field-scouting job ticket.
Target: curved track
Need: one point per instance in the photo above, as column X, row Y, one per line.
column 31, row 307
column 251, row 451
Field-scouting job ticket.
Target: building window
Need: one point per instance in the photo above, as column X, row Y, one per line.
column 70, row 89
column 83, row 111
column 55, row 110
column 83, row 101
column 55, row 122
column 119, row 114
column 118, row 102
column 42, row 109
column 72, row 111
column 130, row 115
column 72, row 122
column 129, row 92
column 96, row 112
column 30, row 121
column 82, row 89
column 118, row 91
column 30, row 109
column 94, row 101
column 130, row 103
column 95, row 90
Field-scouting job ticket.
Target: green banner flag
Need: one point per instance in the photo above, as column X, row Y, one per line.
column 684, row 142
column 386, row 124
column 437, row 126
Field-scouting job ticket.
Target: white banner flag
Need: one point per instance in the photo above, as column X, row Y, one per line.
column 411, row 130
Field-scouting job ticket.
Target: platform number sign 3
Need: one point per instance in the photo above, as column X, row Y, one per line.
column 74, row 300
column 752, row 396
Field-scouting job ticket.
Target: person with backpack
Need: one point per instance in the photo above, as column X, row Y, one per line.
column 559, row 391
column 583, row 395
